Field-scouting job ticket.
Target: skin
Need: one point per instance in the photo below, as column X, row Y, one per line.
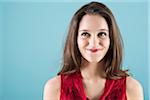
column 93, row 33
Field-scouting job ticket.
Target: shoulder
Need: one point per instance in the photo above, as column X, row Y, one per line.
column 52, row 89
column 134, row 89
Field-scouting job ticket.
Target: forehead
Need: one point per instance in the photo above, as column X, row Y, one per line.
column 93, row 22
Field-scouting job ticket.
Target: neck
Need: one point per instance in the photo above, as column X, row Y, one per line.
column 92, row 71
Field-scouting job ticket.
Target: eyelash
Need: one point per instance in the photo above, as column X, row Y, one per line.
column 85, row 34
column 100, row 35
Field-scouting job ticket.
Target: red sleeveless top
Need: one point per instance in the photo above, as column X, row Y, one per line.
column 72, row 88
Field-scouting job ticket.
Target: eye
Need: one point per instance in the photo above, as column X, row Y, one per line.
column 85, row 34
column 102, row 34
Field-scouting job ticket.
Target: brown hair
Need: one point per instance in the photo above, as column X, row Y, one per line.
column 113, row 57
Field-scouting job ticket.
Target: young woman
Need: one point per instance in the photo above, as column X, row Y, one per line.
column 92, row 60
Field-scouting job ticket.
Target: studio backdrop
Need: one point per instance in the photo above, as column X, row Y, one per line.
column 32, row 36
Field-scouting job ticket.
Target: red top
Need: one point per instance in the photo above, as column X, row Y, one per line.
column 72, row 88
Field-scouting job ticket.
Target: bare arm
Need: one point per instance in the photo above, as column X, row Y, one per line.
column 52, row 89
column 134, row 89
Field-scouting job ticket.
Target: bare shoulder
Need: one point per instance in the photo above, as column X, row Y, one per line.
column 134, row 89
column 52, row 89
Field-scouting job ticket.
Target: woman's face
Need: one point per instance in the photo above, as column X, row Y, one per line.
column 93, row 38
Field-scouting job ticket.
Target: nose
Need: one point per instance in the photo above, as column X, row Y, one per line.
column 93, row 42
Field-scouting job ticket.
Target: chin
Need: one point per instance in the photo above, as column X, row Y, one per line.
column 94, row 60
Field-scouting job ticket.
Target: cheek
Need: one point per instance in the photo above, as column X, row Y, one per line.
column 81, row 42
column 108, row 44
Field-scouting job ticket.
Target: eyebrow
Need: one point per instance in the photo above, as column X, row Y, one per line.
column 85, row 30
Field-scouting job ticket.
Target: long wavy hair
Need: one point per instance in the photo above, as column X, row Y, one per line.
column 112, row 59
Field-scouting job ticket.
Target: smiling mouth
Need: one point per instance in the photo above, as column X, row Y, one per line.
column 93, row 50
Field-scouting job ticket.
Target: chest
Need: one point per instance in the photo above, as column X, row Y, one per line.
column 94, row 89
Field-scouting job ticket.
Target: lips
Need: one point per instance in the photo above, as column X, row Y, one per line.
column 94, row 50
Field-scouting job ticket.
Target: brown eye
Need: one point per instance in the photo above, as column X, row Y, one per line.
column 102, row 34
column 85, row 34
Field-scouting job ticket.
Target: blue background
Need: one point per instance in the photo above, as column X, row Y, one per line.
column 32, row 36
